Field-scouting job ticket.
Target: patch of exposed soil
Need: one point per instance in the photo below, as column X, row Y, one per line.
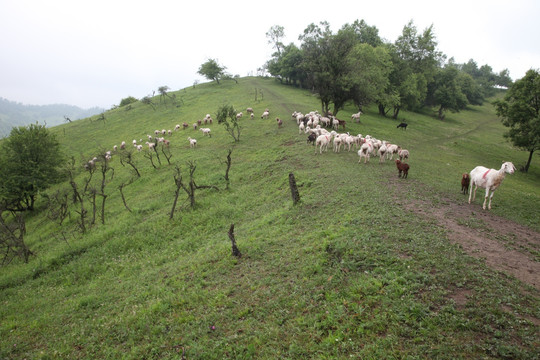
column 504, row 245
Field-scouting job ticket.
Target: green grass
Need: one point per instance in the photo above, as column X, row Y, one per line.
column 347, row 273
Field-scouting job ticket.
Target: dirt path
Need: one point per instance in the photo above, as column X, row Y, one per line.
column 505, row 245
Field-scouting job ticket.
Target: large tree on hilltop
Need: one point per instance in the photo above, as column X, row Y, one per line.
column 212, row 70
column 520, row 111
column 326, row 64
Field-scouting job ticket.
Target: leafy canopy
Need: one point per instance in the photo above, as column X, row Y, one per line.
column 520, row 111
column 212, row 70
column 29, row 162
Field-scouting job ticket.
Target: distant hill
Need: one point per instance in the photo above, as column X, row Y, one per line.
column 17, row 114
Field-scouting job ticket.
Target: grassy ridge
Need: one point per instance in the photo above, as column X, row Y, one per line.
column 346, row 273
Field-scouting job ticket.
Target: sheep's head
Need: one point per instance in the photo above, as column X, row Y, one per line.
column 509, row 167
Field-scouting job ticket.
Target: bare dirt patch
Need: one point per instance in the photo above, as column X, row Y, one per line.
column 504, row 245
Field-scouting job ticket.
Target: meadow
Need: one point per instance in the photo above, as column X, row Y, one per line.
column 351, row 271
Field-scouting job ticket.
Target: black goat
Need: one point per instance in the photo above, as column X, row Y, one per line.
column 402, row 125
column 311, row 138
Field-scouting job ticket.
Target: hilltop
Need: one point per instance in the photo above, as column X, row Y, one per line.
column 365, row 266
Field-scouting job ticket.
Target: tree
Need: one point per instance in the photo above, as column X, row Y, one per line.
column 29, row 163
column 369, row 68
column 445, row 91
column 212, row 70
column 226, row 115
column 128, row 100
column 275, row 36
column 520, row 111
column 163, row 92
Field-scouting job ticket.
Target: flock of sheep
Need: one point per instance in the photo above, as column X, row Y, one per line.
column 322, row 132
column 314, row 125
column 367, row 146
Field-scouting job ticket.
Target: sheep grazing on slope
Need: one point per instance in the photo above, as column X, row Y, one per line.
column 249, row 110
column 206, row 131
column 192, row 142
column 356, row 116
column 403, row 154
column 465, row 181
column 322, row 141
column 365, row 151
column 402, row 168
column 279, row 122
column 489, row 179
column 402, row 125
column 311, row 138
column 382, row 153
column 265, row 115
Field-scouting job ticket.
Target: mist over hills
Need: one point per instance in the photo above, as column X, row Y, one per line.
column 17, row 114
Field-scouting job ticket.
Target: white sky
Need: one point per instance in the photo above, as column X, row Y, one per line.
column 97, row 52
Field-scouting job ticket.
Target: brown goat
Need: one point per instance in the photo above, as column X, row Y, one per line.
column 465, row 181
column 402, row 167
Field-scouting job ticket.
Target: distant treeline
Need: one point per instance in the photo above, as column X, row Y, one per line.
column 356, row 65
column 14, row 114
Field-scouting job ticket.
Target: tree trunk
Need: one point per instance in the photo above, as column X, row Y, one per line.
column 381, row 110
column 529, row 161
column 294, row 189
column 396, row 112
column 235, row 251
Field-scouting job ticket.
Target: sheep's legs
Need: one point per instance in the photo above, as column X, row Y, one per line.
column 472, row 192
column 485, row 199
column 490, row 197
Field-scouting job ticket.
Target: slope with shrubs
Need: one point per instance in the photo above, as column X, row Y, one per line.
column 347, row 272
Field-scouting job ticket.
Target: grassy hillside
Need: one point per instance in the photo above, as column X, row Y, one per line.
column 349, row 272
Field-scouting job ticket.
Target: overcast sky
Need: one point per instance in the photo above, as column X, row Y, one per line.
column 97, row 52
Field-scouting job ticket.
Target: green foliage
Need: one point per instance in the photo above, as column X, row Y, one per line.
column 520, row 111
column 446, row 92
column 128, row 100
column 226, row 115
column 29, row 163
column 212, row 70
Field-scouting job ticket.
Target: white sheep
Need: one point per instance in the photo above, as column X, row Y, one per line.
column 151, row 145
column 139, row 148
column 391, row 150
column 265, row 115
column 134, row 142
column 365, row 151
column 382, row 152
column 489, row 179
column 403, row 154
column 192, row 142
column 335, row 124
column 301, row 128
column 356, row 116
column 206, row 131
column 177, row 127
column 249, row 110
column 252, row 116
column 239, row 115
column 322, row 142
